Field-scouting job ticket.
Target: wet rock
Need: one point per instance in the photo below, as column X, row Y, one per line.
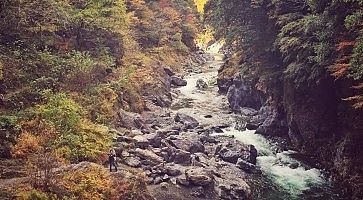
column 201, row 84
column 218, row 130
column 245, row 166
column 243, row 93
column 294, row 165
column 252, row 126
column 141, row 141
column 188, row 121
column 177, row 81
column 133, row 161
column 199, row 176
column 162, row 101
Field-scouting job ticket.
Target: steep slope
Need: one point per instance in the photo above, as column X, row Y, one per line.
column 300, row 62
column 69, row 68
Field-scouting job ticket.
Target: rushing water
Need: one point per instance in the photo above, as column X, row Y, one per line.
column 283, row 176
column 282, row 181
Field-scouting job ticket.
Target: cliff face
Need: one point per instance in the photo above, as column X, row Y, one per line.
column 299, row 63
column 315, row 119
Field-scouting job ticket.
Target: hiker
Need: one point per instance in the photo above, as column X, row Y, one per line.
column 193, row 159
column 112, row 159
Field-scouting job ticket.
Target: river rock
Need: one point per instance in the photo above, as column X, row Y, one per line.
column 188, row 121
column 248, row 111
column 182, row 180
column 199, row 176
column 148, row 155
column 294, row 165
column 177, row 81
column 172, row 170
column 126, row 119
column 229, row 155
column 141, row 141
column 181, row 156
column 155, row 138
column 133, row 161
column 232, row 189
column 123, row 138
column 198, row 192
column 158, row 180
column 188, row 142
column 168, row 71
column 250, row 154
column 245, row 166
column 201, row 84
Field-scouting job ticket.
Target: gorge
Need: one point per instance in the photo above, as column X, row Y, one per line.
column 217, row 99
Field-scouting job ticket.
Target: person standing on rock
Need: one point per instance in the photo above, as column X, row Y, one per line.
column 193, row 159
column 112, row 159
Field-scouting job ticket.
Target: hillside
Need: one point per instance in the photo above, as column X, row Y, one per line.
column 301, row 62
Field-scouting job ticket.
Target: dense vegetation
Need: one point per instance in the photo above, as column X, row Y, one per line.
column 307, row 38
column 304, row 59
column 67, row 67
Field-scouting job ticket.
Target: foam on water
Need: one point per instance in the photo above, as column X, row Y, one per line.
column 276, row 166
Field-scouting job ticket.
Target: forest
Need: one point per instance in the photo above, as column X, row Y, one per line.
column 66, row 67
column 303, row 58
column 81, row 77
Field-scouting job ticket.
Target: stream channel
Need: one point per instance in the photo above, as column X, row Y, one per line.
column 278, row 179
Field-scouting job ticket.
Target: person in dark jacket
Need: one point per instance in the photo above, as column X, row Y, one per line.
column 112, row 159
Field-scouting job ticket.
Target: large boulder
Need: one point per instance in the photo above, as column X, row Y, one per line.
column 182, row 180
column 232, row 189
column 141, row 141
column 231, row 150
column 177, row 81
column 187, row 120
column 181, row 156
column 229, row 155
column 245, row 166
column 148, row 155
column 188, row 142
column 201, row 84
column 133, row 161
column 199, row 176
column 155, row 138
column 172, row 169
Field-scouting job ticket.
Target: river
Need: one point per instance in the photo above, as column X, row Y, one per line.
column 278, row 179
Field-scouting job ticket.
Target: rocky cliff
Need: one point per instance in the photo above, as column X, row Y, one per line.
column 314, row 118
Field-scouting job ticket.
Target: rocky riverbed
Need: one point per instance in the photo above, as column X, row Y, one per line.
column 199, row 149
column 176, row 148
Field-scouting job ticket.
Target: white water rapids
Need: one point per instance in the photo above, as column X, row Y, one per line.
column 292, row 182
